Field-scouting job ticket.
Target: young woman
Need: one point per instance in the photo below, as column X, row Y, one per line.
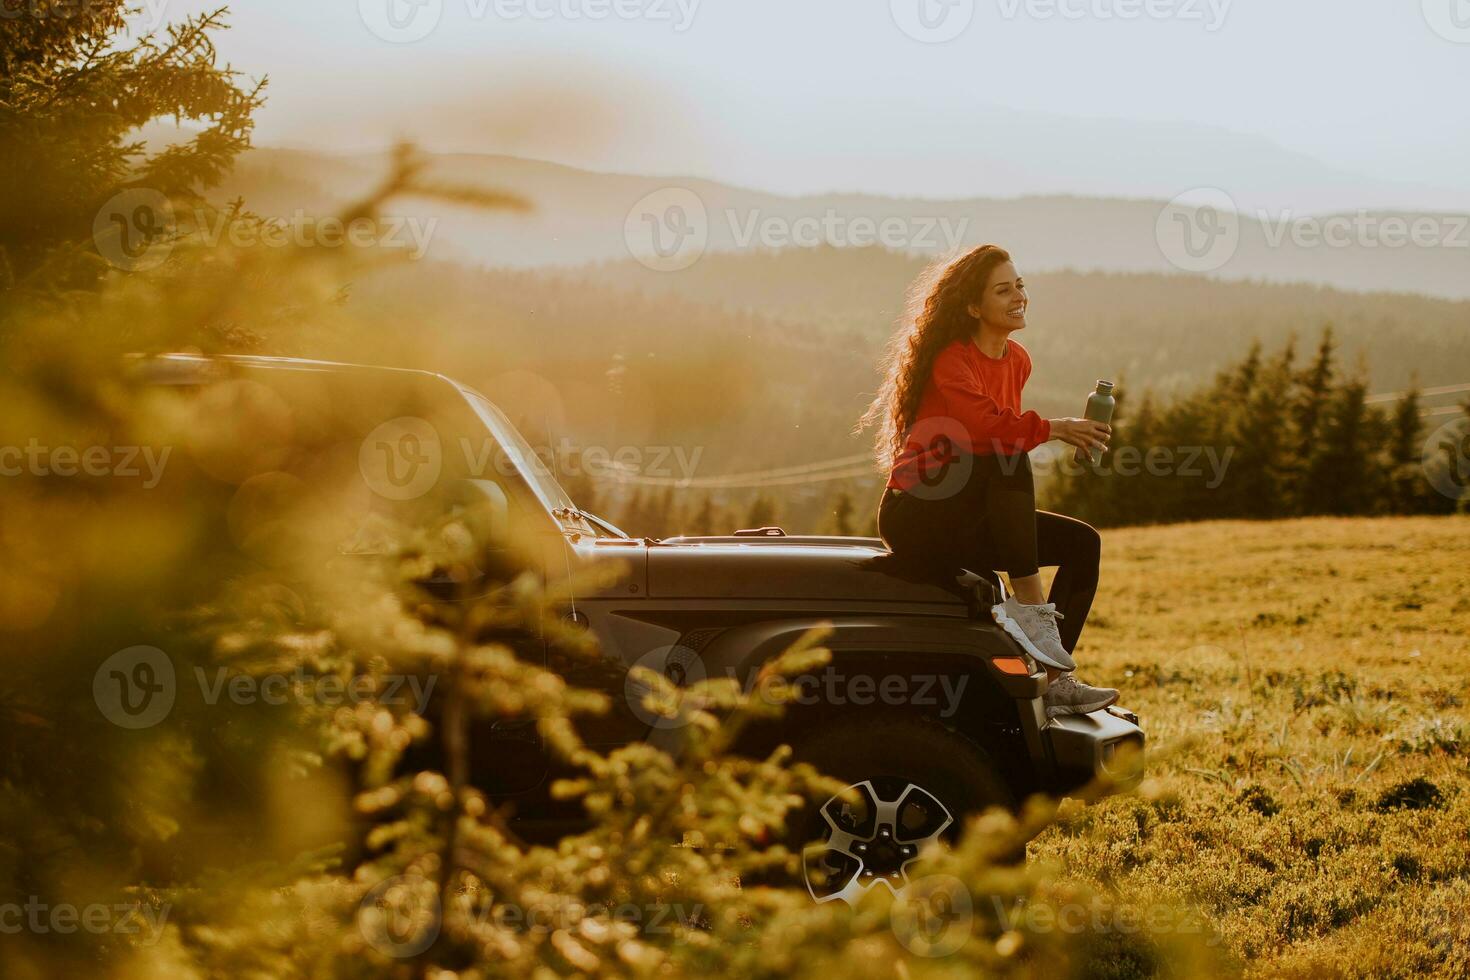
column 960, row 492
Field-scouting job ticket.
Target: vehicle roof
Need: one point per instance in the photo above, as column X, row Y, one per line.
column 200, row 369
column 189, row 368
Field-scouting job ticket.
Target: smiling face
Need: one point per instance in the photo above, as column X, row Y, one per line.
column 1002, row 307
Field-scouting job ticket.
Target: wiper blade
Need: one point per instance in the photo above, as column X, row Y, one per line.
column 591, row 520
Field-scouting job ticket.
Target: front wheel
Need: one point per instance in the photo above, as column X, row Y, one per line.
column 912, row 782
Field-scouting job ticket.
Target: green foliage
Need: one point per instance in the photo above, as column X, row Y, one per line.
column 45, row 33
column 71, row 106
column 1263, row 441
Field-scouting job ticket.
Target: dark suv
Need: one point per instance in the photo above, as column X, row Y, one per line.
column 927, row 707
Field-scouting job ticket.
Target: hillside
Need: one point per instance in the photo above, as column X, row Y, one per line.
column 788, row 344
column 583, row 216
column 1153, row 331
column 816, row 321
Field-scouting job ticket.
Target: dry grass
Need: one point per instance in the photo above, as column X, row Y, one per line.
column 1306, row 687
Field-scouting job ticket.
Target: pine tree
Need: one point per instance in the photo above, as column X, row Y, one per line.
column 1404, row 456
column 1358, row 461
column 74, row 155
column 1344, row 470
column 1136, row 431
column 1244, row 376
column 1258, row 436
column 1460, row 457
column 1447, row 465
column 1314, row 394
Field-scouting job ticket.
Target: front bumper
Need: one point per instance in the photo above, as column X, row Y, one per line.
column 1104, row 747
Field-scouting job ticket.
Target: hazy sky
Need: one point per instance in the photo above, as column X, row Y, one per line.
column 803, row 95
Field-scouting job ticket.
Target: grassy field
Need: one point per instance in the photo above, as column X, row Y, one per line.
column 1305, row 687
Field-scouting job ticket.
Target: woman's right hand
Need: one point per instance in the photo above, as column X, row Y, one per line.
column 1082, row 433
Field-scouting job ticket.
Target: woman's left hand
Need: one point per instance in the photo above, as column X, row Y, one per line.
column 1085, row 434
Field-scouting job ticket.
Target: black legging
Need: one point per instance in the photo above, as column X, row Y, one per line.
column 991, row 523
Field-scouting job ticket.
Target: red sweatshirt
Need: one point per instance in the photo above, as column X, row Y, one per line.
column 972, row 403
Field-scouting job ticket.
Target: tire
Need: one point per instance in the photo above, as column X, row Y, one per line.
column 917, row 781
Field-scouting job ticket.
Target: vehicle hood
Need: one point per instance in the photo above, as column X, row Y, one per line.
column 822, row 568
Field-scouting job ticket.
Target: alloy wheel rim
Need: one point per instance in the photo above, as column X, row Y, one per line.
column 872, row 841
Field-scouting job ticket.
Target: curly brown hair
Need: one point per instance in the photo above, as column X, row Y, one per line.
column 937, row 314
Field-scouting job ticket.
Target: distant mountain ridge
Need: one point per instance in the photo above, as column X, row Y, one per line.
column 584, row 217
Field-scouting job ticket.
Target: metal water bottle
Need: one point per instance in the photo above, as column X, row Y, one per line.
column 1100, row 406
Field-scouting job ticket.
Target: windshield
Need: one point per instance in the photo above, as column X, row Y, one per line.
column 530, row 466
column 536, row 473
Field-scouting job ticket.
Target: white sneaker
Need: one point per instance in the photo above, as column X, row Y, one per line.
column 1035, row 628
column 1068, row 696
